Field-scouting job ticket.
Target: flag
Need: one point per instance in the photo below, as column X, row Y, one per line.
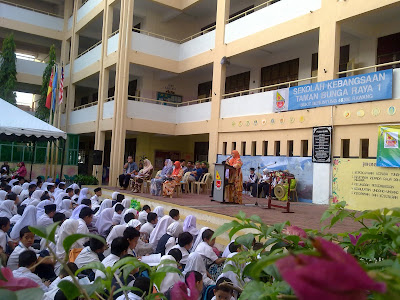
column 48, row 99
column 61, row 88
column 54, row 88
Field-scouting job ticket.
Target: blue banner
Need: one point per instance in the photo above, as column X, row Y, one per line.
column 359, row 88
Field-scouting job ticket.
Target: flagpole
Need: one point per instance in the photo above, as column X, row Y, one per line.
column 50, row 117
column 53, row 109
column 58, row 110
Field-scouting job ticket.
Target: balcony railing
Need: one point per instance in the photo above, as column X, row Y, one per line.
column 85, row 105
column 91, row 48
column 251, row 10
column 267, row 88
column 161, row 102
column 375, row 67
column 31, row 9
column 165, row 38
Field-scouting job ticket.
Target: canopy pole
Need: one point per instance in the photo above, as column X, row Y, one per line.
column 62, row 159
column 33, row 158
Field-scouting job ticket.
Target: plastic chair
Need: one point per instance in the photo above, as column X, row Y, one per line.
column 203, row 182
column 185, row 182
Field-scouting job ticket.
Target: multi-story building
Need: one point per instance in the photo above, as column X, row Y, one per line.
column 194, row 79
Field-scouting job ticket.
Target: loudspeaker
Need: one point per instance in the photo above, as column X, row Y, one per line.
column 97, row 157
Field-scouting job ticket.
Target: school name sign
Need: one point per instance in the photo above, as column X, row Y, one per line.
column 354, row 89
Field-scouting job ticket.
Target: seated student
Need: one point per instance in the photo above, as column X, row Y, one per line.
column 25, row 194
column 205, row 248
column 160, row 230
column 50, row 189
column 132, row 236
column 168, row 240
column 46, row 219
column 75, row 197
column 196, row 262
column 128, row 217
column 105, row 221
column 87, row 202
column 174, row 214
column 196, row 173
column 119, row 199
column 26, row 241
column 18, row 216
column 59, row 189
column 70, row 193
column 232, row 276
column 143, row 286
column 6, row 244
column 148, row 227
column 170, row 278
column 85, row 218
column 89, row 254
column 126, row 281
column 185, row 242
column 223, row 290
column 119, row 248
column 193, row 288
column 251, row 183
column 143, row 214
column 64, row 275
column 26, row 265
column 116, row 219
column 96, row 199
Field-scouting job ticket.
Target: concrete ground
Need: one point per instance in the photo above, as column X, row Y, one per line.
column 305, row 215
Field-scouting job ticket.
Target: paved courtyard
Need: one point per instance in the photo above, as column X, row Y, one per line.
column 305, row 215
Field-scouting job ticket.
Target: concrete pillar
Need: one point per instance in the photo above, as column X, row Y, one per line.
column 121, row 90
column 329, row 44
column 218, row 82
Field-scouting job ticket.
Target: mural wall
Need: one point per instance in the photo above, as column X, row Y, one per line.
column 300, row 167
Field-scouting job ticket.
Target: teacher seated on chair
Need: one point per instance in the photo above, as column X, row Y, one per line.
column 130, row 168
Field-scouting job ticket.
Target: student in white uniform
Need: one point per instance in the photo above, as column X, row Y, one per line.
column 119, row 248
column 96, row 198
column 143, row 286
column 143, row 214
column 205, row 248
column 85, row 218
column 170, row 278
column 90, row 253
column 5, row 240
column 46, row 219
column 185, row 242
column 148, row 227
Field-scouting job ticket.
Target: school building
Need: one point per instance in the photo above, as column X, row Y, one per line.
column 195, row 79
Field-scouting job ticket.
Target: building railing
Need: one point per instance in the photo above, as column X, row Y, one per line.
column 162, row 102
column 86, row 105
column 114, row 33
column 109, row 99
column 32, row 9
column 165, row 38
column 87, row 50
column 253, row 9
column 375, row 67
column 266, row 88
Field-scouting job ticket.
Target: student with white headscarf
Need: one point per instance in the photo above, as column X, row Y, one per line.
column 159, row 210
column 17, row 189
column 40, row 207
column 3, row 195
column 59, row 199
column 77, row 211
column 107, row 203
column 25, row 192
column 168, row 240
column 199, row 239
column 67, row 228
column 159, row 230
column 84, row 194
column 34, row 197
column 66, row 208
column 104, row 221
column 74, row 186
column 189, row 225
column 116, row 231
column 197, row 263
column 8, row 209
column 170, row 278
column 60, row 188
column 114, row 196
column 11, row 183
column 28, row 219
column 128, row 211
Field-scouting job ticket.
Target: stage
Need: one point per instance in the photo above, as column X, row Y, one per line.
column 305, row 215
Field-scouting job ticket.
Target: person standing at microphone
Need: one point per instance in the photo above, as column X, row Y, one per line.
column 235, row 187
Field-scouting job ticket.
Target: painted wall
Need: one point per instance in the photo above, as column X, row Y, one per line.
column 269, row 16
column 112, row 44
column 30, row 67
column 86, row 8
column 203, row 43
column 87, row 59
column 108, row 110
column 84, row 115
column 31, row 17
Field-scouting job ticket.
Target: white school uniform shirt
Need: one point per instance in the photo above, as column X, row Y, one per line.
column 109, row 261
column 185, row 254
column 95, row 202
column 147, row 228
column 206, row 250
column 131, row 296
column 82, row 228
column 53, row 289
column 44, row 220
column 4, row 238
column 23, row 272
column 86, row 256
column 13, row 259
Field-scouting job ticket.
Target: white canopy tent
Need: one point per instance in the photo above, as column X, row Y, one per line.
column 17, row 125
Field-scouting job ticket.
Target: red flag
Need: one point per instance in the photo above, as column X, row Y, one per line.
column 61, row 88
column 49, row 90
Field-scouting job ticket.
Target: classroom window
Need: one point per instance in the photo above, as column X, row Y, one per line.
column 224, row 146
column 345, row 148
column 233, row 145
column 265, row 148
column 304, row 148
column 277, row 148
column 290, row 148
column 253, row 148
column 243, row 148
column 364, row 148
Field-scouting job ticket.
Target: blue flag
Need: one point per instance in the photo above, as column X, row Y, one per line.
column 55, row 80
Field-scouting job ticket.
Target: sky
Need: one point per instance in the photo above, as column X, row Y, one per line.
column 24, row 98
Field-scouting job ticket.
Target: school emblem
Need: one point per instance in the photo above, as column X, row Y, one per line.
column 280, row 101
column 218, row 181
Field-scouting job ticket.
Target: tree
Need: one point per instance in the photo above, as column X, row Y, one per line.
column 42, row 112
column 8, row 70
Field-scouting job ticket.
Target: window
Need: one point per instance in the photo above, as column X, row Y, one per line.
column 388, row 50
column 238, row 82
column 344, row 58
column 72, row 149
column 224, row 146
column 290, row 148
column 253, row 148
column 277, row 148
column 265, row 148
column 345, row 148
column 364, row 148
column 233, row 145
column 279, row 73
column 243, row 148
column 204, row 89
column 304, row 148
